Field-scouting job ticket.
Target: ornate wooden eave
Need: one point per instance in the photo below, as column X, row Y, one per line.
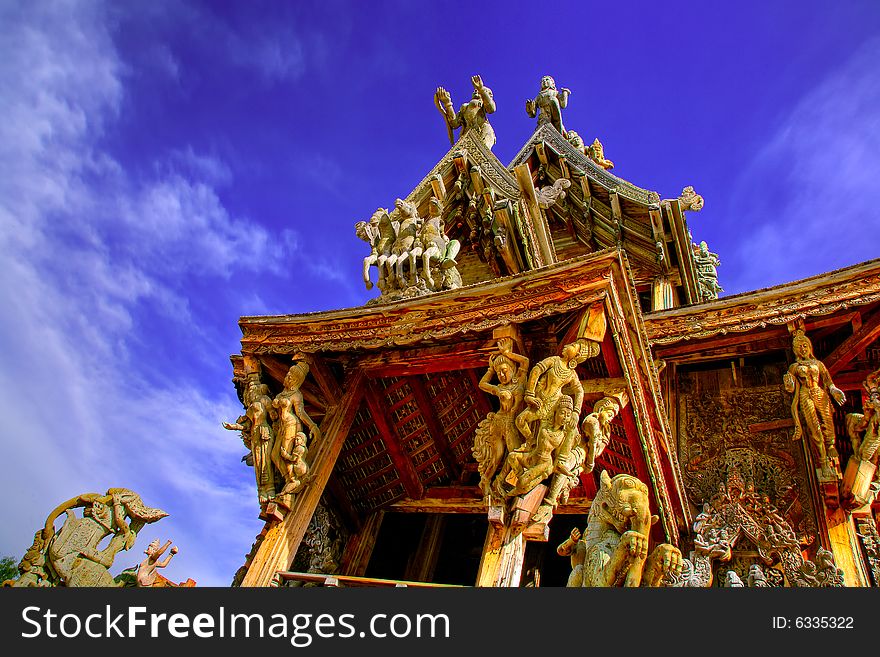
column 452, row 330
column 550, row 136
column 820, row 295
column 604, row 211
column 480, row 178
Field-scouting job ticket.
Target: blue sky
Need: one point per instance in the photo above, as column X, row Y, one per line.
column 166, row 167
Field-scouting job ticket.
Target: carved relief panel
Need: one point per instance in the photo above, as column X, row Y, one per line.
column 723, row 424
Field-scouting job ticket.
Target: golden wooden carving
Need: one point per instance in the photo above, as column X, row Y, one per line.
column 471, row 115
column 810, row 384
column 290, row 449
column 613, row 549
column 860, row 481
column 497, row 434
column 257, row 434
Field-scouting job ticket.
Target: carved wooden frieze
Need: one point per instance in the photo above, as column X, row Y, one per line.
column 323, row 544
column 866, row 529
column 745, row 430
column 516, row 299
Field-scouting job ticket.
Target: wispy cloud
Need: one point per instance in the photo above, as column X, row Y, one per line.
column 809, row 192
column 87, row 248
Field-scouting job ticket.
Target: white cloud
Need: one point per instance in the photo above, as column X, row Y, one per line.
column 810, row 190
column 86, row 247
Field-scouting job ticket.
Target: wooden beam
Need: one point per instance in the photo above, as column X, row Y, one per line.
column 402, row 463
column 542, row 230
column 853, row 345
column 426, row 408
column 324, row 377
column 359, row 548
column 475, row 504
column 410, row 362
column 282, row 540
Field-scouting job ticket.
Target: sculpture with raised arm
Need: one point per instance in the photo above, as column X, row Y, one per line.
column 549, row 103
column 471, row 115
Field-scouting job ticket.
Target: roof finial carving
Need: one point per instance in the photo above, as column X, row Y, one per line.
column 549, row 103
column 472, row 114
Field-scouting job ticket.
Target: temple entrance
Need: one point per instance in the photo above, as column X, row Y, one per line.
column 429, row 547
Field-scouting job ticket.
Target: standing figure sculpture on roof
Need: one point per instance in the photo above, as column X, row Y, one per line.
column 379, row 233
column 497, row 433
column 472, row 115
column 810, row 383
column 707, row 271
column 548, row 104
column 407, row 247
column 437, row 248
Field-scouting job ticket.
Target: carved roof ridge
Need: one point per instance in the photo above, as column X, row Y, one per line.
column 429, row 299
column 782, row 289
column 823, row 294
column 547, row 133
column 494, row 170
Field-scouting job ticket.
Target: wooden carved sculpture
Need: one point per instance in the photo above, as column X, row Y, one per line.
column 437, row 248
column 407, row 247
column 596, row 152
column 810, row 384
column 738, row 513
column 413, row 255
column 74, row 556
column 707, row 264
column 549, row 103
column 613, row 550
column 289, row 452
column 597, row 429
column 379, row 233
column 859, row 482
column 497, row 435
column 531, row 463
column 472, row 115
column 147, row 575
column 257, row 434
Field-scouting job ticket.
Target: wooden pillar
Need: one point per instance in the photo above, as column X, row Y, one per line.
column 501, row 564
column 845, row 547
column 282, row 540
column 424, row 561
column 360, row 546
column 661, row 294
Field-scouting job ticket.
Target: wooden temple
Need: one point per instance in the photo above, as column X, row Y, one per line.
column 548, row 374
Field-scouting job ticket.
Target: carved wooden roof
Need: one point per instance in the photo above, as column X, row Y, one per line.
column 413, row 430
column 602, row 210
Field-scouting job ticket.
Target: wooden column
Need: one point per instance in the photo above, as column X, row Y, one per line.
column 424, row 561
column 282, row 540
column 360, row 546
column 501, row 564
column 845, row 547
column 661, row 294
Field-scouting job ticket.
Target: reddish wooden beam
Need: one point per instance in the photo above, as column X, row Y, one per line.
column 426, row 407
column 402, row 463
column 853, row 345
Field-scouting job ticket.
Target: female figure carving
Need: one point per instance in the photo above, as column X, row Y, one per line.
column 289, row 451
column 808, row 380
column 497, row 433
